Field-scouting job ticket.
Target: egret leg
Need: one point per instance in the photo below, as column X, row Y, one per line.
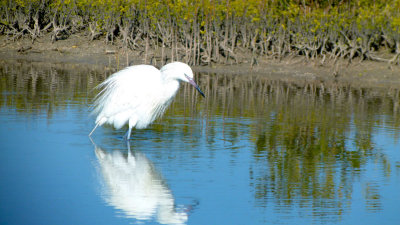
column 128, row 146
column 132, row 123
column 128, row 134
column 97, row 124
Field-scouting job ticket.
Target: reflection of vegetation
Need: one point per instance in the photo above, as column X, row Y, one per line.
column 306, row 139
column 33, row 88
column 209, row 31
column 311, row 140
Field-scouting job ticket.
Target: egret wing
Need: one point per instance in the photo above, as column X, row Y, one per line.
column 127, row 92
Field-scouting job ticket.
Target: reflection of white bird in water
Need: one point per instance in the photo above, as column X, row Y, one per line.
column 133, row 185
column 139, row 94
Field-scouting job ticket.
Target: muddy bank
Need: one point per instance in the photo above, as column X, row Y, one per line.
column 77, row 50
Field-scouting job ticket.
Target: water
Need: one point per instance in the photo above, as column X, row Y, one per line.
column 255, row 151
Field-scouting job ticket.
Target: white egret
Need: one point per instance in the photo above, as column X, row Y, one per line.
column 137, row 95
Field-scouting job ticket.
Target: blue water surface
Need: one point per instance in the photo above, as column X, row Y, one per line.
column 251, row 160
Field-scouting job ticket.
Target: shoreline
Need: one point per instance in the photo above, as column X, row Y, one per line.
column 78, row 50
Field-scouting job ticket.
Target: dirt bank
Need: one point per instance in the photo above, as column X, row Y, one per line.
column 78, row 50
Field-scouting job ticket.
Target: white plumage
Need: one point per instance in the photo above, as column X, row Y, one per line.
column 137, row 95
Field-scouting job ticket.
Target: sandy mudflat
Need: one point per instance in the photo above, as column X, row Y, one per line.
column 78, row 50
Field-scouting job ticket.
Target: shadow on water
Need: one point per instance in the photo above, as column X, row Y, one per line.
column 133, row 185
column 311, row 145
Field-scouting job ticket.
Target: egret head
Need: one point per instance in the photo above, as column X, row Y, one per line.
column 181, row 72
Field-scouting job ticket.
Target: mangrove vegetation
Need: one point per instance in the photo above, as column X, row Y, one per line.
column 202, row 32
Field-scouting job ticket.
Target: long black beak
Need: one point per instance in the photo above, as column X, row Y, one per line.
column 191, row 81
